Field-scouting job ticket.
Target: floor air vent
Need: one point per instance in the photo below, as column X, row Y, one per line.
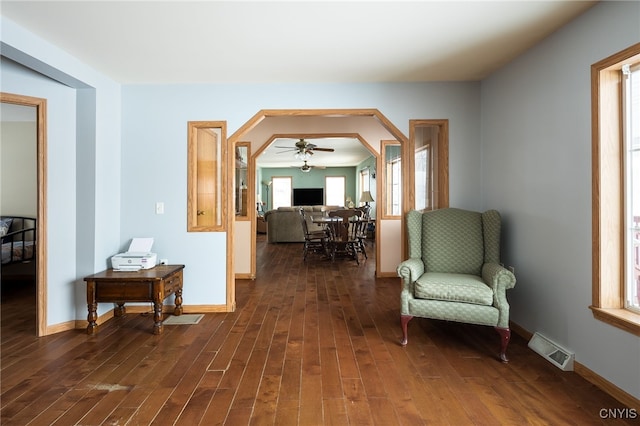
column 558, row 356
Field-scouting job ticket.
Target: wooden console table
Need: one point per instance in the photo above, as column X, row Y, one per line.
column 146, row 285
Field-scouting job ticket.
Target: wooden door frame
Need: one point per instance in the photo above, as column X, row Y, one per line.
column 41, row 230
column 240, row 134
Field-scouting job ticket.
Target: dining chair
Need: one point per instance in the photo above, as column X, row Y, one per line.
column 342, row 239
column 315, row 241
column 358, row 229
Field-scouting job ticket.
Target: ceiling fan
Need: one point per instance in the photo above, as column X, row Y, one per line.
column 305, row 168
column 304, row 149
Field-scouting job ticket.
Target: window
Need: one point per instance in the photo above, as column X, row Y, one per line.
column 364, row 180
column 335, row 190
column 424, row 183
column 281, row 187
column 428, row 157
column 631, row 136
column 392, row 196
column 615, row 187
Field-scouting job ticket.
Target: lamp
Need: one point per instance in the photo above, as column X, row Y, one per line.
column 267, row 185
column 349, row 202
column 366, row 198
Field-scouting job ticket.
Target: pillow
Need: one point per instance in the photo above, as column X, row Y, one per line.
column 5, row 224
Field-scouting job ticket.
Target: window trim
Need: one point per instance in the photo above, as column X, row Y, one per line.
column 607, row 151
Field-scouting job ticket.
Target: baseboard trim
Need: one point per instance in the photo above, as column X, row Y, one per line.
column 58, row 328
column 146, row 309
column 627, row 399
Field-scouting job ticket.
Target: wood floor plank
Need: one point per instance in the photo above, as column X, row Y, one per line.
column 266, row 401
column 311, row 399
column 335, row 412
column 310, row 343
column 217, row 411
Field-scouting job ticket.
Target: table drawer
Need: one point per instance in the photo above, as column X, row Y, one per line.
column 124, row 291
column 173, row 283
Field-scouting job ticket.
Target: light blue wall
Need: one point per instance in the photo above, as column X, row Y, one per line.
column 154, row 153
column 536, row 133
column 61, row 213
column 83, row 163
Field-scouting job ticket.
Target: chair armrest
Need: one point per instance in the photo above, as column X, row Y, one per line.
column 498, row 277
column 409, row 270
column 500, row 280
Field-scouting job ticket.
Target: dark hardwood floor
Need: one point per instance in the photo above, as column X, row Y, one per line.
column 309, row 344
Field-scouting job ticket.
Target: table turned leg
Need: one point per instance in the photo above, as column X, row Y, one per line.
column 119, row 310
column 178, row 309
column 92, row 306
column 92, row 318
column 157, row 317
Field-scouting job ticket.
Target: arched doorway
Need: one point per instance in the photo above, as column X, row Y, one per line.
column 369, row 125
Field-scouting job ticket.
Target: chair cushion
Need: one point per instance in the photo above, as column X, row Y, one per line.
column 453, row 288
column 452, row 241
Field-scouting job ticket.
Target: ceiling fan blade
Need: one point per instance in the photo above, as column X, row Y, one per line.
column 324, row 149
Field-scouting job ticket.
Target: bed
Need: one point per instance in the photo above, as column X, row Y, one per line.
column 18, row 239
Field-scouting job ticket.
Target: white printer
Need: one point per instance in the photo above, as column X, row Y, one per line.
column 138, row 256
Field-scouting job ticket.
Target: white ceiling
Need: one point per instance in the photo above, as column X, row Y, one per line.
column 165, row 42
column 293, row 41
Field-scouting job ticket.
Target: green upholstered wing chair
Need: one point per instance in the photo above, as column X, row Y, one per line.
column 453, row 272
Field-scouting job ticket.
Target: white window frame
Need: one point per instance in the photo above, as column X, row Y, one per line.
column 631, row 135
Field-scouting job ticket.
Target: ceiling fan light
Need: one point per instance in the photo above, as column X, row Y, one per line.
column 302, row 156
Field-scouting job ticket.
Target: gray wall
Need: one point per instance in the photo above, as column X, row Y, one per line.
column 536, row 169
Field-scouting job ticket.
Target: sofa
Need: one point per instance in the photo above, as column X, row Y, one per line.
column 284, row 226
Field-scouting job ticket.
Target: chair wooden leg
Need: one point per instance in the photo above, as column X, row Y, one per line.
column 404, row 320
column 505, row 336
column 354, row 250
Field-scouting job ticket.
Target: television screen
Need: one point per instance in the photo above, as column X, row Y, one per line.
column 308, row 196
